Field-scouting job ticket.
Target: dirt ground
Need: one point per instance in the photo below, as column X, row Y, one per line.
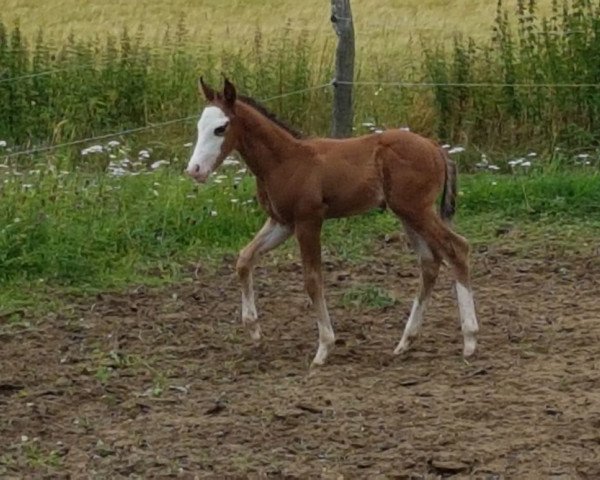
column 165, row 383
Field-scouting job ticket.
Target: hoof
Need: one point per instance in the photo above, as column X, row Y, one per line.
column 255, row 333
column 316, row 364
column 402, row 347
column 322, row 353
column 470, row 346
column 253, row 328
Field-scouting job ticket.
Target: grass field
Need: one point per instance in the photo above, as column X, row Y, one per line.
column 394, row 21
column 85, row 232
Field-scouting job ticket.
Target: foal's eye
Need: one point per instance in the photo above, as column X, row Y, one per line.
column 220, row 131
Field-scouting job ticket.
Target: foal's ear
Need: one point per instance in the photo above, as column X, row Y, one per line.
column 229, row 93
column 208, row 92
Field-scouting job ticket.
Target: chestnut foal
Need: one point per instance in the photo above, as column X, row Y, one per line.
column 304, row 181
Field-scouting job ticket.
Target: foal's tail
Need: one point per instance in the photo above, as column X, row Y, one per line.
column 448, row 202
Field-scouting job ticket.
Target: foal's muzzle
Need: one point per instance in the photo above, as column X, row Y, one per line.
column 196, row 174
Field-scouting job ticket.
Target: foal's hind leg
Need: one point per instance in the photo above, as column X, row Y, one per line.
column 270, row 236
column 430, row 266
column 455, row 249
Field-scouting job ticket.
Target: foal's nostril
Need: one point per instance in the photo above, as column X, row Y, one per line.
column 196, row 168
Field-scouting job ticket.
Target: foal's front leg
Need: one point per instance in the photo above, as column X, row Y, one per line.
column 270, row 236
column 309, row 238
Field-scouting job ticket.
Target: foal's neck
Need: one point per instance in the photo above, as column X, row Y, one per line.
column 263, row 144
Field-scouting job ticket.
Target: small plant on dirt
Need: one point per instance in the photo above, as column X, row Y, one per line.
column 37, row 458
column 367, row 296
column 159, row 384
column 103, row 373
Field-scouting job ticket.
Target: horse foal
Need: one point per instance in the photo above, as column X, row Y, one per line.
column 301, row 182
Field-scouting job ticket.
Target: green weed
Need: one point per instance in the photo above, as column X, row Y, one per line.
column 367, row 296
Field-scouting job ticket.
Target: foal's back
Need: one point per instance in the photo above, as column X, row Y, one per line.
column 409, row 150
column 357, row 174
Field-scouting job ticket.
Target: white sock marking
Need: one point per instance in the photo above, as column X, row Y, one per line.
column 468, row 318
column 415, row 320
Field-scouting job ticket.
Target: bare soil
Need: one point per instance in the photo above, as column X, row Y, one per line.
column 165, row 383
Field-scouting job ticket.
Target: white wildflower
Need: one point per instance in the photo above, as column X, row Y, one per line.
column 494, row 167
column 445, row 146
column 518, row 161
column 526, row 164
column 456, row 150
column 405, row 129
column 27, row 186
column 368, row 124
column 230, row 161
column 213, row 213
column 241, row 171
column 117, row 171
column 155, row 193
column 3, row 143
column 494, row 183
column 92, row 149
column 235, row 200
column 378, row 130
column 583, row 156
column 144, row 154
column 221, row 177
column 113, row 144
column 218, row 181
column 159, row 163
column 188, row 144
column 532, row 154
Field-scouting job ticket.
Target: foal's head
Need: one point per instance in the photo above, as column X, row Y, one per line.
column 216, row 131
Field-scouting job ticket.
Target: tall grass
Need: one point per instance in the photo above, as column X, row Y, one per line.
column 560, row 49
column 123, row 82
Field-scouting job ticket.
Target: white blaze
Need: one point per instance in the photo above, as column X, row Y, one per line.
column 208, row 145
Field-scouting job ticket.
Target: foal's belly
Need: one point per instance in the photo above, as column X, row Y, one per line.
column 354, row 202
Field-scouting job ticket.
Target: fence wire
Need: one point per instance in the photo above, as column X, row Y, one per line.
column 130, row 131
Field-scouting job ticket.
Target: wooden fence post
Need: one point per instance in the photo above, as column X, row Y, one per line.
column 341, row 19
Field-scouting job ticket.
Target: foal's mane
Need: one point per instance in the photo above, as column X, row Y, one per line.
column 260, row 108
